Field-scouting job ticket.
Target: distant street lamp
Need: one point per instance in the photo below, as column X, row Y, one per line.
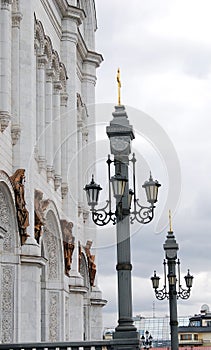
column 173, row 293
column 120, row 133
column 146, row 340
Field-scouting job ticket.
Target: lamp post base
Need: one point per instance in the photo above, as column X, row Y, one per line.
column 126, row 332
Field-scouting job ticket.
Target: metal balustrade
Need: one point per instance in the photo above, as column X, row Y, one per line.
column 115, row 344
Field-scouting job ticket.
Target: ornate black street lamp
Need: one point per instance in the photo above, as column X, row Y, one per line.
column 175, row 289
column 146, row 340
column 120, row 133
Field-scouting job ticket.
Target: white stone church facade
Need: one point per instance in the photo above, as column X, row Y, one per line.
column 48, row 280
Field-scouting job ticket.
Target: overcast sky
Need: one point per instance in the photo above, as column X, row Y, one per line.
column 163, row 49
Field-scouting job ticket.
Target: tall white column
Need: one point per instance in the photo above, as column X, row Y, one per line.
column 15, row 105
column 49, row 122
column 69, row 58
column 5, row 64
column 41, row 61
column 57, row 86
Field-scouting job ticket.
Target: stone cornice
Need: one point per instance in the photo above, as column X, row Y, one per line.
column 86, row 55
column 70, row 11
column 76, row 14
column 94, row 58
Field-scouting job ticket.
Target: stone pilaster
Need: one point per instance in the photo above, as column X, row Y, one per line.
column 57, row 86
column 5, row 64
column 15, row 90
column 64, row 144
column 41, row 62
column 49, row 122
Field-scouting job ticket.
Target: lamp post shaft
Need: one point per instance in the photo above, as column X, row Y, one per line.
column 124, row 266
column 173, row 307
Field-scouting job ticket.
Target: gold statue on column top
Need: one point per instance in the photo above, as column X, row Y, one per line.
column 119, row 87
column 170, row 222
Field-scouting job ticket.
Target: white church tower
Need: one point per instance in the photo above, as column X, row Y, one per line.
column 48, row 279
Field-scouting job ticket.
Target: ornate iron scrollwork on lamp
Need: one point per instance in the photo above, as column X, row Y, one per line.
column 103, row 216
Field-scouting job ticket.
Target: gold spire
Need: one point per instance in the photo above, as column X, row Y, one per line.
column 170, row 222
column 119, row 86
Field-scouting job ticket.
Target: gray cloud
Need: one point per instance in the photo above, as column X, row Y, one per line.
column 164, row 52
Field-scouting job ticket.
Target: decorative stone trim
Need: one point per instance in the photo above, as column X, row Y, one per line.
column 57, row 181
column 7, row 303
column 41, row 163
column 15, row 133
column 4, row 120
column 42, row 60
column 53, row 316
column 6, row 179
column 50, row 173
column 64, row 189
column 85, row 215
column 76, row 14
column 16, row 18
column 64, row 99
column 5, row 4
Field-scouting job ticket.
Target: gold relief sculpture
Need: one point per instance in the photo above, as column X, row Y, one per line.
column 17, row 180
column 68, row 244
column 91, row 262
column 40, row 206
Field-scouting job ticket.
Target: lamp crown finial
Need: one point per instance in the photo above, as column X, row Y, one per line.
column 119, row 86
column 170, row 222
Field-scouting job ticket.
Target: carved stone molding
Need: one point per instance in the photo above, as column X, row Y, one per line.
column 50, row 74
column 80, row 210
column 16, row 18
column 64, row 189
column 41, row 163
column 85, row 215
column 50, row 173
column 57, row 181
column 4, row 120
column 64, row 99
column 52, row 256
column 15, row 6
column 42, row 60
column 57, row 87
column 8, row 226
column 53, row 316
column 5, row 4
column 7, row 303
column 15, row 133
column 5, row 224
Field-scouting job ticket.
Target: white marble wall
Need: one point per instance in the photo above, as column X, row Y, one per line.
column 43, row 132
